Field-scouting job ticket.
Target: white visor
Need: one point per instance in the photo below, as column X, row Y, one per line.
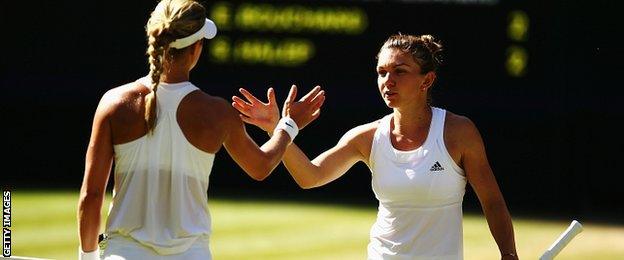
column 208, row 31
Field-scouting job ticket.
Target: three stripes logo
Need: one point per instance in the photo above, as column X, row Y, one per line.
column 436, row 167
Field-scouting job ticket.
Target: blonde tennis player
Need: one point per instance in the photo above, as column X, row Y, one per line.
column 161, row 134
column 420, row 156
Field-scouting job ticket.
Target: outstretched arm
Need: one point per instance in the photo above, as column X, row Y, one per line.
column 259, row 162
column 325, row 168
column 481, row 178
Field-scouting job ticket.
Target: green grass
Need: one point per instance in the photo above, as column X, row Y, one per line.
column 44, row 226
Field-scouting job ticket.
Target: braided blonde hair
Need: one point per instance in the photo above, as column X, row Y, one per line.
column 170, row 20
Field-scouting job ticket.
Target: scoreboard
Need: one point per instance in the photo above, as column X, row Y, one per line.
column 308, row 34
column 278, row 19
column 284, row 27
column 488, row 46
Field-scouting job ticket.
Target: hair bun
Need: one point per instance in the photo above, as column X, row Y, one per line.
column 425, row 49
column 435, row 48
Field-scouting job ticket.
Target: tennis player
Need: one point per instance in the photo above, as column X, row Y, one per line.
column 161, row 134
column 420, row 156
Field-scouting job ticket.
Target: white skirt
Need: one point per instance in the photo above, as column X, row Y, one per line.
column 121, row 248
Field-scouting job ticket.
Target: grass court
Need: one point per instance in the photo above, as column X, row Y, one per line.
column 44, row 226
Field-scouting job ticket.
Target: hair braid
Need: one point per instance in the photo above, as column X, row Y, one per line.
column 170, row 20
column 158, row 46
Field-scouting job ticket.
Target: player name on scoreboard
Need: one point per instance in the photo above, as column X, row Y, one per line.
column 275, row 34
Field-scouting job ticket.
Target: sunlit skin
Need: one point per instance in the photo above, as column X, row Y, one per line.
column 179, row 68
column 403, row 87
column 401, row 83
column 208, row 123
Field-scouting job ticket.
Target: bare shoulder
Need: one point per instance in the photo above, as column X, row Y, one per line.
column 208, row 114
column 122, row 99
column 360, row 138
column 460, row 129
column 206, row 120
column 210, row 106
column 458, row 122
column 361, row 133
column 203, row 100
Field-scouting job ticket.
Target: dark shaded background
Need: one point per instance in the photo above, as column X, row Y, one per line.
column 552, row 136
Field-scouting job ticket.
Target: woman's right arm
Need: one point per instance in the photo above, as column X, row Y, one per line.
column 330, row 164
column 259, row 162
column 326, row 167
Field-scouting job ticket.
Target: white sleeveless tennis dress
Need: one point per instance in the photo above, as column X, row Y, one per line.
column 160, row 208
column 420, row 195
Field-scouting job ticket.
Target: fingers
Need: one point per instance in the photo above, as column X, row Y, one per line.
column 242, row 106
column 251, row 98
column 318, row 99
column 316, row 114
column 241, row 102
column 292, row 94
column 311, row 94
column 271, row 96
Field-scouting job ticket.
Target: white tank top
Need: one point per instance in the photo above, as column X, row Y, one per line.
column 420, row 195
column 161, row 182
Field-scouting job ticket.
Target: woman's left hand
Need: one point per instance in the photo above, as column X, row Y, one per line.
column 255, row 112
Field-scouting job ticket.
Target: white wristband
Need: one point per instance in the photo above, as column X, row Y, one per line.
column 288, row 125
column 93, row 255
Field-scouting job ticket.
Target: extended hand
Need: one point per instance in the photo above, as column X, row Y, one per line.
column 255, row 112
column 266, row 115
column 306, row 109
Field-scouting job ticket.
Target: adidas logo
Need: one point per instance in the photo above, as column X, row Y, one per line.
column 436, row 167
